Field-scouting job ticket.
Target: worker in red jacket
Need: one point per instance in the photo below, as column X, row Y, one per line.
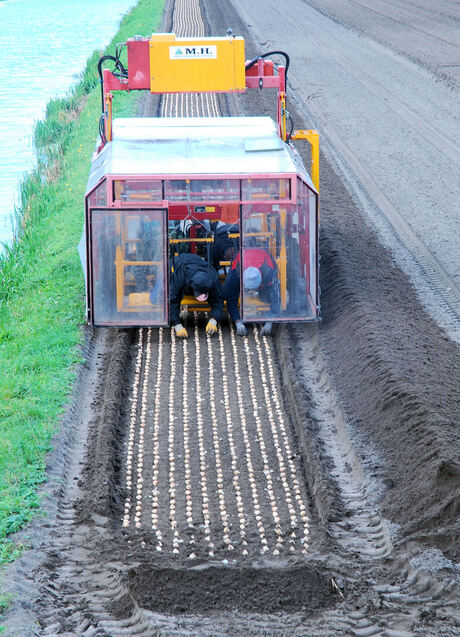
column 259, row 276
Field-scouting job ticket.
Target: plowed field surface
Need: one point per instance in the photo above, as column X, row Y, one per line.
column 305, row 483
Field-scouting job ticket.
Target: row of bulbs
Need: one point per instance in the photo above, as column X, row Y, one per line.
column 274, row 421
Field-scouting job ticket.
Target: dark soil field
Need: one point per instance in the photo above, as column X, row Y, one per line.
column 303, row 484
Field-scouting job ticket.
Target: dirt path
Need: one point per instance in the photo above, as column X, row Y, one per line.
column 425, row 32
column 301, row 485
column 387, row 125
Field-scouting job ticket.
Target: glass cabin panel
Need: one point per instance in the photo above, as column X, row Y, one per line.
column 265, row 189
column 98, row 197
column 135, row 190
column 129, row 267
column 202, row 189
column 276, row 258
column 313, row 231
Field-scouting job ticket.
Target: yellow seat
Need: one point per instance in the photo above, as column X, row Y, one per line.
column 139, row 299
column 194, row 305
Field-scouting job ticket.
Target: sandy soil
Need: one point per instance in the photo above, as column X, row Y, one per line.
column 306, row 484
column 427, row 33
column 389, row 127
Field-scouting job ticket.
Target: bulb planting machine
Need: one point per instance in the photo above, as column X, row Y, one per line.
column 161, row 186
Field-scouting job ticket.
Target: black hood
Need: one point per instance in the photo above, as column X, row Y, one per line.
column 201, row 282
column 198, row 274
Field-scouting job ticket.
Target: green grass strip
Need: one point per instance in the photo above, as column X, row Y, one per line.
column 42, row 288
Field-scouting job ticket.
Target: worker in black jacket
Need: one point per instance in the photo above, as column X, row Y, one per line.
column 224, row 248
column 194, row 273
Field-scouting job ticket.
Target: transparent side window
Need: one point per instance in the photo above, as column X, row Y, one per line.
column 265, row 189
column 276, row 263
column 129, row 267
column 134, row 191
column 202, row 189
column 312, row 235
column 99, row 195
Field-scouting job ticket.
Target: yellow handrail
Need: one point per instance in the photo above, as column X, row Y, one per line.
column 312, row 136
column 204, row 240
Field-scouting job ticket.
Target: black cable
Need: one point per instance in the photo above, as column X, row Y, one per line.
column 253, row 62
column 122, row 71
column 102, row 129
column 99, row 69
column 288, row 138
column 250, row 64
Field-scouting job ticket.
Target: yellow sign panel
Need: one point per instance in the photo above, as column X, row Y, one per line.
column 183, row 65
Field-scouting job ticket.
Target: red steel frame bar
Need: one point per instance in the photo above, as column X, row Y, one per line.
column 260, row 75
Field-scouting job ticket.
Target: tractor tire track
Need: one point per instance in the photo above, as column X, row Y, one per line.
column 187, row 455
column 440, row 281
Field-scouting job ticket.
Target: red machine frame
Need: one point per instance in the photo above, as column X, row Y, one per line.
column 259, row 73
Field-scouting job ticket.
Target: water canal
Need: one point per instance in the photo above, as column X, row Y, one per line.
column 44, row 46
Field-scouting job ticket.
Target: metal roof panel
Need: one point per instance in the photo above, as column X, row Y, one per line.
column 194, row 146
